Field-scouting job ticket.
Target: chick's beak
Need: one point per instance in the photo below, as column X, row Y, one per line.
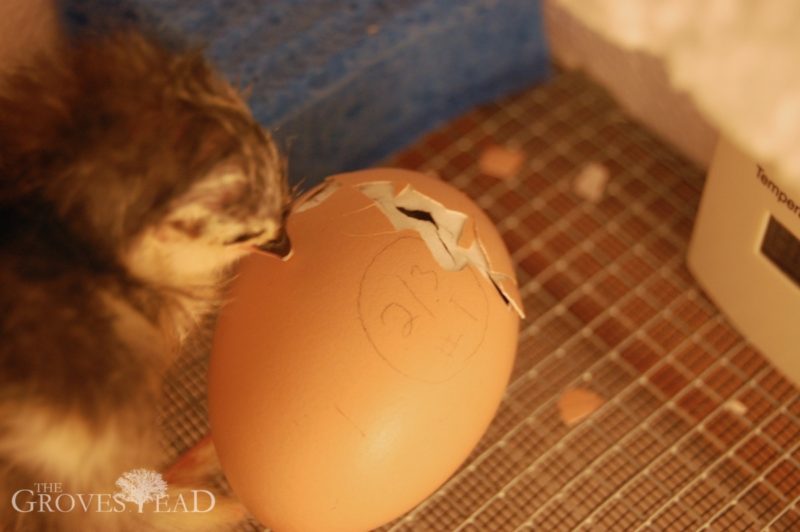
column 280, row 246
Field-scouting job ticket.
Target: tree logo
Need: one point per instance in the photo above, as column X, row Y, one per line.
column 140, row 486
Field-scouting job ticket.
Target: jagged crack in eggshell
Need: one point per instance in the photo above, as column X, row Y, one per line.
column 351, row 381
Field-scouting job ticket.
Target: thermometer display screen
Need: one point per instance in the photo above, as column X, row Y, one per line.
column 782, row 248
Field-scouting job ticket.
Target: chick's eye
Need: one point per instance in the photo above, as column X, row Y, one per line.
column 244, row 237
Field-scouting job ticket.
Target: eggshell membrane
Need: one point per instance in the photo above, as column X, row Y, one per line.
column 351, row 381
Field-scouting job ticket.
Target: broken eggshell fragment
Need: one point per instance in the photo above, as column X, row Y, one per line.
column 349, row 382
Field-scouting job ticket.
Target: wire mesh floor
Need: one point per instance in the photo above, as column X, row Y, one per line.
column 697, row 430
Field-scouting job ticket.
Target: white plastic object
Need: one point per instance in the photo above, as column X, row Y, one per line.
column 745, row 252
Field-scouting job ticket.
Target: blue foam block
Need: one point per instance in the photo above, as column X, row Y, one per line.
column 343, row 84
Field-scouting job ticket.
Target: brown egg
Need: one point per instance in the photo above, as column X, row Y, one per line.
column 351, row 381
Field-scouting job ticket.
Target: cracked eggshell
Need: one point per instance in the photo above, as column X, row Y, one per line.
column 351, row 381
